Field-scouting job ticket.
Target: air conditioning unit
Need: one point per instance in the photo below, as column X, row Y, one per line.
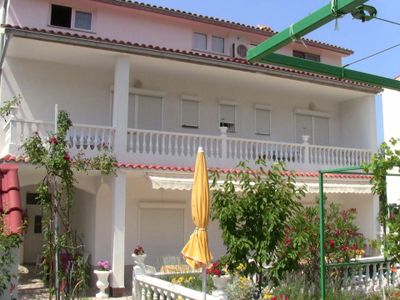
column 239, row 50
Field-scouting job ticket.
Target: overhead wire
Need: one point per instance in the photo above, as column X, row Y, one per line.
column 379, row 52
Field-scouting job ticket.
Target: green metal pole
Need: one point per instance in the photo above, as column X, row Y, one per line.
column 330, row 70
column 322, row 234
column 313, row 21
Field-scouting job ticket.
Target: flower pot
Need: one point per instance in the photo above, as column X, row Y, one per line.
column 220, row 283
column 139, row 259
column 102, row 283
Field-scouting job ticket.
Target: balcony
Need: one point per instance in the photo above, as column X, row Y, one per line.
column 161, row 147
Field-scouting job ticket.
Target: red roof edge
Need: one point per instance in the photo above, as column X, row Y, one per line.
column 10, row 201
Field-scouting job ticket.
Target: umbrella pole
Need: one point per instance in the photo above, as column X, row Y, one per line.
column 204, row 282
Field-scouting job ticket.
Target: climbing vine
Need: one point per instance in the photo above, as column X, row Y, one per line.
column 63, row 267
column 381, row 165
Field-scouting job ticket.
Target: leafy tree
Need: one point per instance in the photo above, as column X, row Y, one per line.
column 342, row 236
column 383, row 163
column 55, row 195
column 254, row 207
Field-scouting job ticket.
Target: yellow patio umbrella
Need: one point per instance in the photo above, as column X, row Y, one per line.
column 196, row 250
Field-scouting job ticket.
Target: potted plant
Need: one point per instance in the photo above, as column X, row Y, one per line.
column 219, row 277
column 139, row 255
column 103, row 271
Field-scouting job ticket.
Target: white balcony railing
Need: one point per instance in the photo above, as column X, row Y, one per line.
column 158, row 147
column 369, row 274
column 150, row 144
column 87, row 138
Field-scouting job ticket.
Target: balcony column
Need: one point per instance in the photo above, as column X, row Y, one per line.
column 120, row 104
column 118, row 234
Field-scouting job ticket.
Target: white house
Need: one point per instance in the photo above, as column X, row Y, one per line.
column 151, row 84
column 391, row 129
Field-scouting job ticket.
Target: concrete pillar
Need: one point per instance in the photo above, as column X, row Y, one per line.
column 120, row 105
column 118, row 234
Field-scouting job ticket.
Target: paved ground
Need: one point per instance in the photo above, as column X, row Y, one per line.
column 31, row 287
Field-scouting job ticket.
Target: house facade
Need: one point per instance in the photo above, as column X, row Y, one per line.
column 390, row 104
column 151, row 84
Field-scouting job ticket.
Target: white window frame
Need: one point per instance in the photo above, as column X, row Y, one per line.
column 229, row 103
column 313, row 114
column 223, row 44
column 265, row 108
column 193, row 99
column 207, row 41
column 73, row 13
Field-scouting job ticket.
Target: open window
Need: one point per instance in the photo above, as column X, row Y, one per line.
column 68, row 17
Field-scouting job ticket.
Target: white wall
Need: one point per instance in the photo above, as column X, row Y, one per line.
column 358, row 124
column 83, row 92
column 144, row 27
column 391, row 129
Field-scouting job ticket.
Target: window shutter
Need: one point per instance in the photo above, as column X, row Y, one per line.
column 227, row 116
column 321, row 131
column 263, row 121
column 149, row 112
column 199, row 41
column 190, row 113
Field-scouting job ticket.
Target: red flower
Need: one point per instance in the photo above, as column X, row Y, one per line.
column 355, row 247
column 54, row 140
column 287, row 242
column 67, row 157
column 331, row 243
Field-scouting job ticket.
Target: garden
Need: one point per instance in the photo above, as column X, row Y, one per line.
column 273, row 240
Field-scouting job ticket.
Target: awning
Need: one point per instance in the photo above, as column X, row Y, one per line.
column 345, row 187
column 10, row 201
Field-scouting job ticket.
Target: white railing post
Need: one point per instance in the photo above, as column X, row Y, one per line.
column 224, row 145
column 306, row 149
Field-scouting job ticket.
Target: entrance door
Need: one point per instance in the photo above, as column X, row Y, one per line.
column 161, row 233
column 33, row 239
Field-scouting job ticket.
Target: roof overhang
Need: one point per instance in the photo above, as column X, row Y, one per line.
column 183, row 56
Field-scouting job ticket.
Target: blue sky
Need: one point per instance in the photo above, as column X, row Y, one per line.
column 364, row 38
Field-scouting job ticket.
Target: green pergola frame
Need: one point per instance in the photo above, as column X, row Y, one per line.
column 357, row 170
column 264, row 52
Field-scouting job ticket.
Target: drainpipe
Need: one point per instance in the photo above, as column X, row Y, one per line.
column 4, row 36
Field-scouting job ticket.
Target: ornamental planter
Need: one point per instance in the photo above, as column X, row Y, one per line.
column 139, row 259
column 220, row 283
column 102, row 283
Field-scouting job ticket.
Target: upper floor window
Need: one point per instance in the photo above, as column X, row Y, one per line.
column 227, row 116
column 65, row 16
column 217, row 44
column 306, row 55
column 189, row 112
column 145, row 110
column 199, row 41
column 263, row 120
column 313, row 124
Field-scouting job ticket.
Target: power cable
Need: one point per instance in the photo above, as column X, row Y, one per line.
column 371, row 55
column 387, row 21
